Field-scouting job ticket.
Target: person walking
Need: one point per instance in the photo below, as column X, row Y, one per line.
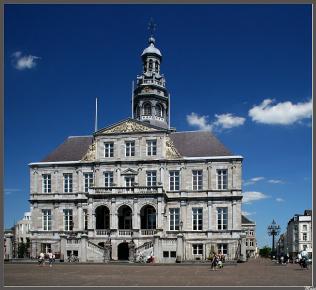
column 41, row 260
column 214, row 261
column 50, row 258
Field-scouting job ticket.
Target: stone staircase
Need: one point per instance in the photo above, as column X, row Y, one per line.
column 143, row 251
column 95, row 253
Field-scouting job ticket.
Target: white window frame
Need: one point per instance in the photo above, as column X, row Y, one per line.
column 129, row 148
column 304, row 237
column 68, row 184
column 129, row 181
column 174, row 180
column 222, row 179
column 108, row 149
column 47, row 183
column 68, row 219
column 151, row 147
column 151, row 178
column 174, row 219
column 47, row 220
column 197, row 179
column 88, row 180
column 197, row 249
column 108, row 178
column 221, row 248
column 197, row 218
column 222, row 222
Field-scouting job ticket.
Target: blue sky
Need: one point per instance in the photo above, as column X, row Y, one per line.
column 242, row 71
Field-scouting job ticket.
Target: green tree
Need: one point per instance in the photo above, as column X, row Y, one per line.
column 265, row 251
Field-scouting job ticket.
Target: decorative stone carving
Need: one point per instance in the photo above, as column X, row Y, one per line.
column 90, row 155
column 171, row 151
column 128, row 126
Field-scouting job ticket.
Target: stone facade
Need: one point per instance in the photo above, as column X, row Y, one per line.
column 249, row 228
column 138, row 188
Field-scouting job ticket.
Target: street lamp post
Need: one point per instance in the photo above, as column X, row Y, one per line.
column 273, row 230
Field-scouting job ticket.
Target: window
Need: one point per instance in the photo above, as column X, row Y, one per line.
column 67, row 182
column 47, row 183
column 151, row 178
column 197, row 219
column 108, row 179
column 247, row 243
column 47, row 219
column 173, row 254
column 108, row 149
column 222, row 218
column 174, row 180
column 46, row 248
column 251, row 233
column 129, row 148
column 85, row 219
column 88, row 181
column 197, row 249
column 251, row 243
column 68, row 223
column 223, row 248
column 151, row 147
column 150, row 64
column 304, row 227
column 147, row 109
column 158, row 111
column 304, row 236
column 129, row 182
column 222, row 179
column 197, row 180
column 174, row 214
column 165, row 254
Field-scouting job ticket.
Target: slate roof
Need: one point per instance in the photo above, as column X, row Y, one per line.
column 73, row 149
column 188, row 144
column 245, row 220
column 198, row 144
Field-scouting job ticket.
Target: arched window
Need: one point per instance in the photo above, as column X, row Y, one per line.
column 125, row 217
column 102, row 215
column 150, row 64
column 148, row 217
column 156, row 66
column 147, row 109
column 137, row 112
column 158, row 109
column 145, row 67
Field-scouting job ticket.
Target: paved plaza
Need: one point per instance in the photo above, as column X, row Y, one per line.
column 259, row 272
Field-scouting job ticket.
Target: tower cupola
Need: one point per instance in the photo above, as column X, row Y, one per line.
column 150, row 96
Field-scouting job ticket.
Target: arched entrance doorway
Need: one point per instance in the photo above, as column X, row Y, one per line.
column 125, row 218
column 102, row 217
column 148, row 217
column 123, row 251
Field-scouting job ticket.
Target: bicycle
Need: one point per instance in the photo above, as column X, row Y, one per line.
column 73, row 259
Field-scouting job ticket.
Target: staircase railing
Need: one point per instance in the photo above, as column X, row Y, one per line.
column 144, row 247
column 96, row 247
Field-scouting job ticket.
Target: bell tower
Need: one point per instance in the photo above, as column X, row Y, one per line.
column 150, row 96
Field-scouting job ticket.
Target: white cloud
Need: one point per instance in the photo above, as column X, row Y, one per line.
column 250, row 196
column 275, row 181
column 199, row 121
column 247, row 213
column 228, row 121
column 279, row 199
column 22, row 62
column 253, row 180
column 223, row 121
column 8, row 191
column 284, row 113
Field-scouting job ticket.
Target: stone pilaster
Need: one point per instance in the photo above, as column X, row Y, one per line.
column 84, row 246
column 180, row 257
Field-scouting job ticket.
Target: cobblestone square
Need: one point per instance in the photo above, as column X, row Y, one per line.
column 257, row 272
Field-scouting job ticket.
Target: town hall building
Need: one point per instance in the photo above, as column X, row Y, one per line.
column 139, row 187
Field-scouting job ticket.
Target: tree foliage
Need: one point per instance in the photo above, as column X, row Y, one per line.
column 265, row 251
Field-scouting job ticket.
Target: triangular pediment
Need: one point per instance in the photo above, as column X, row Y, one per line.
column 129, row 171
column 129, row 126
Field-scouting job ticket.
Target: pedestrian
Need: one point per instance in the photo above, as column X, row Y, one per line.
column 50, row 258
column 41, row 260
column 214, row 261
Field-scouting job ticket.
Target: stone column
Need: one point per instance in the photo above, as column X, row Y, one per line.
column 159, row 213
column 209, row 177
column 210, row 211
column 179, row 248
column 156, row 248
column 233, row 219
column 243, row 256
column 183, row 214
column 84, row 246
column 63, row 251
column 113, row 220
column 131, row 248
column 9, row 246
column 90, row 219
column 80, row 218
column 136, row 215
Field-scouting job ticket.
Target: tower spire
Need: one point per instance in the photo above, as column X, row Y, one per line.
column 152, row 27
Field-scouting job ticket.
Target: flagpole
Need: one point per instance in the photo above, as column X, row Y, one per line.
column 96, row 115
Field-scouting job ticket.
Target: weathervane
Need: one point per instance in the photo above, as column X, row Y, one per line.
column 152, row 27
